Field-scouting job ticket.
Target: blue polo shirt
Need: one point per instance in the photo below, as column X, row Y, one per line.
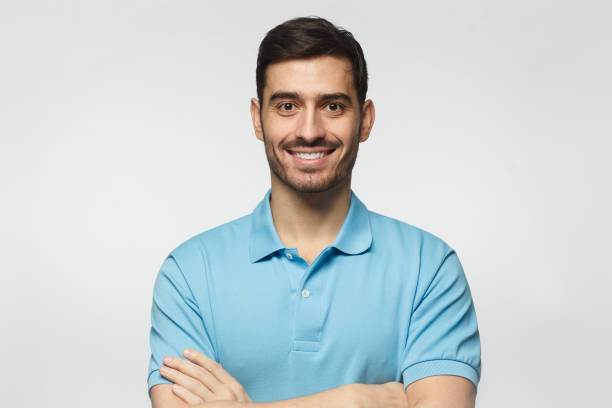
column 385, row 302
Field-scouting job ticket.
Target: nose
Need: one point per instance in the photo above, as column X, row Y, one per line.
column 310, row 126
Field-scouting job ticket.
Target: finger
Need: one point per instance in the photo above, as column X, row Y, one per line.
column 185, row 381
column 194, row 371
column 211, row 365
column 218, row 371
column 186, row 395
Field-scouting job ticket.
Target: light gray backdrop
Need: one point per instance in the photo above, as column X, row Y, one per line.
column 125, row 130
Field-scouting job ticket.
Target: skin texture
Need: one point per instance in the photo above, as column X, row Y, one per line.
column 308, row 105
column 321, row 111
column 202, row 379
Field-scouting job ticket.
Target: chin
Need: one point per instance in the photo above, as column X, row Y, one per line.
column 318, row 186
column 310, row 189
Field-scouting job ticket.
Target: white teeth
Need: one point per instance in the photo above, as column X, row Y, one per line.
column 309, row 155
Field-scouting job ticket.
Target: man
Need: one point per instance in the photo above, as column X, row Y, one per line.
column 312, row 300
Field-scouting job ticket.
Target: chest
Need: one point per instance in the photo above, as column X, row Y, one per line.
column 346, row 315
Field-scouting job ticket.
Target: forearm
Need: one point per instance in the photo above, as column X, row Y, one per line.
column 443, row 404
column 355, row 395
column 340, row 397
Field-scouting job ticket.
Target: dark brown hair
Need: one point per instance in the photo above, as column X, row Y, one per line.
column 309, row 37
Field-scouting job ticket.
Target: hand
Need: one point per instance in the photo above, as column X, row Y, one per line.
column 388, row 395
column 201, row 379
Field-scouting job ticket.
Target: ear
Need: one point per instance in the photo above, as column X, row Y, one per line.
column 367, row 120
column 256, row 118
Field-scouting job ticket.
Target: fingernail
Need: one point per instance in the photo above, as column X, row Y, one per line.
column 167, row 360
column 163, row 370
column 187, row 352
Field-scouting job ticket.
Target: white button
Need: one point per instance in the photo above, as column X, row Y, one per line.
column 289, row 256
column 305, row 293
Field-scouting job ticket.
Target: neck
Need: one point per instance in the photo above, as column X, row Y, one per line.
column 309, row 220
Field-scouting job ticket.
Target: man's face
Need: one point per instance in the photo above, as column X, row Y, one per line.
column 310, row 122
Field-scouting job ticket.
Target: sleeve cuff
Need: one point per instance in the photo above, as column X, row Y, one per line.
column 440, row 367
column 156, row 378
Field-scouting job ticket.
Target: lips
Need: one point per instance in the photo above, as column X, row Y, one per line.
column 310, row 154
column 310, row 159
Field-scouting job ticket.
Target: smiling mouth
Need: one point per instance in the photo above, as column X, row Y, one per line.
column 311, row 155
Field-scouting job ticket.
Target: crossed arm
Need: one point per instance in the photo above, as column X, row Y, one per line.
column 202, row 382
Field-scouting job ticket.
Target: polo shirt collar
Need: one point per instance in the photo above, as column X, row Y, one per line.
column 354, row 237
column 264, row 239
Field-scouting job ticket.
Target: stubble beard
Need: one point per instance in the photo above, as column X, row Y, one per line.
column 311, row 182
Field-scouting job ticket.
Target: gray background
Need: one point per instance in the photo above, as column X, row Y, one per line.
column 124, row 130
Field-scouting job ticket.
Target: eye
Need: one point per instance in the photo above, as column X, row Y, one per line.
column 286, row 106
column 334, row 107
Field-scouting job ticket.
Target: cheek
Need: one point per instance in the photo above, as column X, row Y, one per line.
column 277, row 130
column 343, row 129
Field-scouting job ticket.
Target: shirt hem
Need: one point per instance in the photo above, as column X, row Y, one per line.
column 440, row 367
column 155, row 378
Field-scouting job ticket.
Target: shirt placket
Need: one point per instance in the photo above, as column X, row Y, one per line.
column 307, row 298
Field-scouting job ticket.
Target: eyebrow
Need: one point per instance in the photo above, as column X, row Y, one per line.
column 283, row 95
column 321, row 98
column 336, row 96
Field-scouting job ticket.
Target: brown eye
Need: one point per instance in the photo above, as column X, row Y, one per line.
column 334, row 107
column 287, row 106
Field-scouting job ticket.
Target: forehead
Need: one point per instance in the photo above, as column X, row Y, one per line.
column 310, row 77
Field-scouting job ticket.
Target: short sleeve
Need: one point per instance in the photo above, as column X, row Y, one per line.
column 443, row 336
column 176, row 320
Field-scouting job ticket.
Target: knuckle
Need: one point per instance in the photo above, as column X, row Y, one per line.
column 201, row 376
column 213, row 366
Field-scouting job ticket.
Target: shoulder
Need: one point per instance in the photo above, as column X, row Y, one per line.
column 192, row 254
column 400, row 235
column 225, row 232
